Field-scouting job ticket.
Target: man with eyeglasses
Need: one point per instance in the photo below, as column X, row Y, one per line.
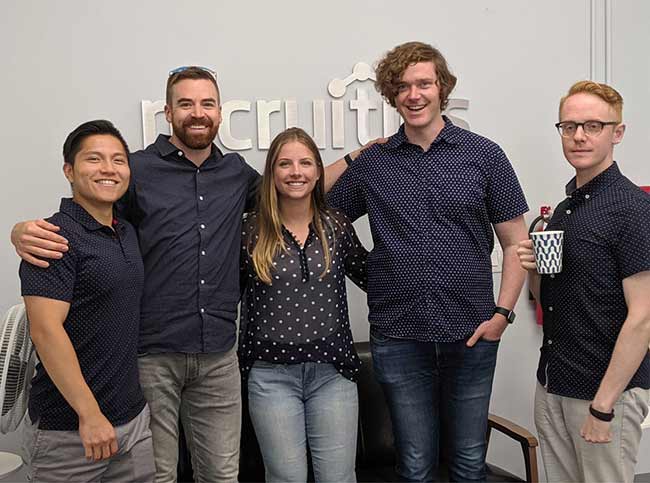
column 594, row 369
column 433, row 195
column 186, row 199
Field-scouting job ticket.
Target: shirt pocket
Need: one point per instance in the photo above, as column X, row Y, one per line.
column 458, row 195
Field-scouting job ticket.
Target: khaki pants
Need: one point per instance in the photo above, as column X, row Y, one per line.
column 60, row 456
column 569, row 458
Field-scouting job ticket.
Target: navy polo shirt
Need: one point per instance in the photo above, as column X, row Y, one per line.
column 101, row 276
column 431, row 214
column 188, row 221
column 606, row 239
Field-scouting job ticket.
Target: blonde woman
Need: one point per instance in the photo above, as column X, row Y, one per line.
column 296, row 345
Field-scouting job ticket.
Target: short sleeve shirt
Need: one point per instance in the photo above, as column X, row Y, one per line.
column 302, row 316
column 431, row 214
column 101, row 276
column 606, row 239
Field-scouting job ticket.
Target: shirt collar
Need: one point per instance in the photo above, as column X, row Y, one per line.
column 596, row 185
column 165, row 147
column 79, row 214
column 449, row 133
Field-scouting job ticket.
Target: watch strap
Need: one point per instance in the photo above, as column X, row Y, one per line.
column 508, row 314
column 607, row 417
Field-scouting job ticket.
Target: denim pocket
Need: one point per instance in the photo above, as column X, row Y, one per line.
column 377, row 337
column 265, row 365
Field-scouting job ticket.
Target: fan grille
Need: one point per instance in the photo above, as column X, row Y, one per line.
column 17, row 368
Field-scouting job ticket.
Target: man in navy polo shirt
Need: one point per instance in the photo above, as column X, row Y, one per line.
column 88, row 420
column 433, row 193
column 186, row 199
column 594, row 368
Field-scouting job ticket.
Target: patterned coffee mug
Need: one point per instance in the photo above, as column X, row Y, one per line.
column 548, row 250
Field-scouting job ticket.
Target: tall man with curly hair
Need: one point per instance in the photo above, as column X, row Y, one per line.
column 433, row 194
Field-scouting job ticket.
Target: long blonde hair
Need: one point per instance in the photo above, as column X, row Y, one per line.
column 269, row 240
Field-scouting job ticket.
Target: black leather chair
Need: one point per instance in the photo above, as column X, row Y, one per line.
column 375, row 445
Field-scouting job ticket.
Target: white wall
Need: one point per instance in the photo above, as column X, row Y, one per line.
column 68, row 62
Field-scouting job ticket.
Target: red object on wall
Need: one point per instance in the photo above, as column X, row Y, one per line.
column 544, row 216
column 545, row 212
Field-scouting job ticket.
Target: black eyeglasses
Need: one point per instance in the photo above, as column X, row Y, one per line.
column 183, row 68
column 568, row 129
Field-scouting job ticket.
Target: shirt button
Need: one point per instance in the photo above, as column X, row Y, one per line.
column 200, row 198
column 587, row 197
column 550, row 309
column 202, row 253
column 202, row 226
column 550, row 342
column 198, row 171
column 180, row 153
column 202, row 310
column 568, row 212
column 552, row 275
column 202, row 282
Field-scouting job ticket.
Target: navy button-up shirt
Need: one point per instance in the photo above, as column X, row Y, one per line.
column 189, row 221
column 101, row 277
column 431, row 215
column 606, row 239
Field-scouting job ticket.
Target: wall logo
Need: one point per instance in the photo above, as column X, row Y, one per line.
column 366, row 102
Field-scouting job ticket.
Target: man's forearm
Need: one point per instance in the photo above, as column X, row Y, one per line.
column 59, row 358
column 630, row 349
column 333, row 172
column 512, row 278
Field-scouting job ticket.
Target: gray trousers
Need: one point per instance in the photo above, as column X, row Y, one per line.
column 569, row 458
column 205, row 391
column 60, row 456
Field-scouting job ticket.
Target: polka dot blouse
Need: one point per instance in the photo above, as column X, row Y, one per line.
column 302, row 316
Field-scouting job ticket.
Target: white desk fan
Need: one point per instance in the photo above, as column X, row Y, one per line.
column 17, row 360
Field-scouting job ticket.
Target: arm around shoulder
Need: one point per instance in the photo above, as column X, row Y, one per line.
column 38, row 238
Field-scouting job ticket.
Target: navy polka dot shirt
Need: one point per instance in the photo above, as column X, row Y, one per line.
column 431, row 215
column 302, row 317
column 606, row 239
column 101, row 277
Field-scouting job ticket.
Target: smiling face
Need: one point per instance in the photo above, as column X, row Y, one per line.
column 590, row 155
column 295, row 172
column 194, row 113
column 418, row 98
column 100, row 173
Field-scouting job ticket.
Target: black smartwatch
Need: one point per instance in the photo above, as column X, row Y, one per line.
column 508, row 314
column 601, row 416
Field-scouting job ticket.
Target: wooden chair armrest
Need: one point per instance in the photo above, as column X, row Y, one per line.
column 526, row 440
column 516, row 432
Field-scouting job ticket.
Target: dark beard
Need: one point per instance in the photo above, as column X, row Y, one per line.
column 194, row 141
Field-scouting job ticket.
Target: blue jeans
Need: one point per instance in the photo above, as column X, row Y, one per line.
column 436, row 393
column 295, row 405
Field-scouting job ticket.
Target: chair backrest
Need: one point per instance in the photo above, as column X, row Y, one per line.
column 375, row 438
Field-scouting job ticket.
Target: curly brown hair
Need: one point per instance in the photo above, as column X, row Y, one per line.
column 390, row 69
